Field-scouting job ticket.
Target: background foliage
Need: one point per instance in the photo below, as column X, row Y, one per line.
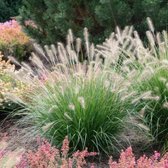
column 54, row 17
column 9, row 8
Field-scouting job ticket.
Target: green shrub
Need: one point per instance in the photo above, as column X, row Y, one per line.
column 53, row 18
column 9, row 8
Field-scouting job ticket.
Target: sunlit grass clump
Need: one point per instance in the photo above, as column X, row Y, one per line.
column 151, row 86
column 87, row 93
column 154, row 102
column 87, row 109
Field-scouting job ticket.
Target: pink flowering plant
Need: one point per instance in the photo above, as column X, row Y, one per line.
column 13, row 41
column 127, row 160
column 47, row 156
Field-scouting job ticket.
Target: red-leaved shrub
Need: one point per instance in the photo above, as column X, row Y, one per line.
column 47, row 156
column 127, row 160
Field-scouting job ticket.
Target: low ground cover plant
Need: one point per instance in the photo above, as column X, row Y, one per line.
column 47, row 156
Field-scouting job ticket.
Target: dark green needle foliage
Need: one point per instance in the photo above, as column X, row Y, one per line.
column 9, row 8
column 53, row 18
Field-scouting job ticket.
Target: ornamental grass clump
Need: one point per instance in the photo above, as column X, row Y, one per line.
column 87, row 109
column 156, row 109
column 145, row 67
column 87, row 94
column 84, row 100
column 150, row 85
column 154, row 102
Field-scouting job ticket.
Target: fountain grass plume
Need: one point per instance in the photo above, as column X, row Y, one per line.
column 83, row 93
column 74, row 92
